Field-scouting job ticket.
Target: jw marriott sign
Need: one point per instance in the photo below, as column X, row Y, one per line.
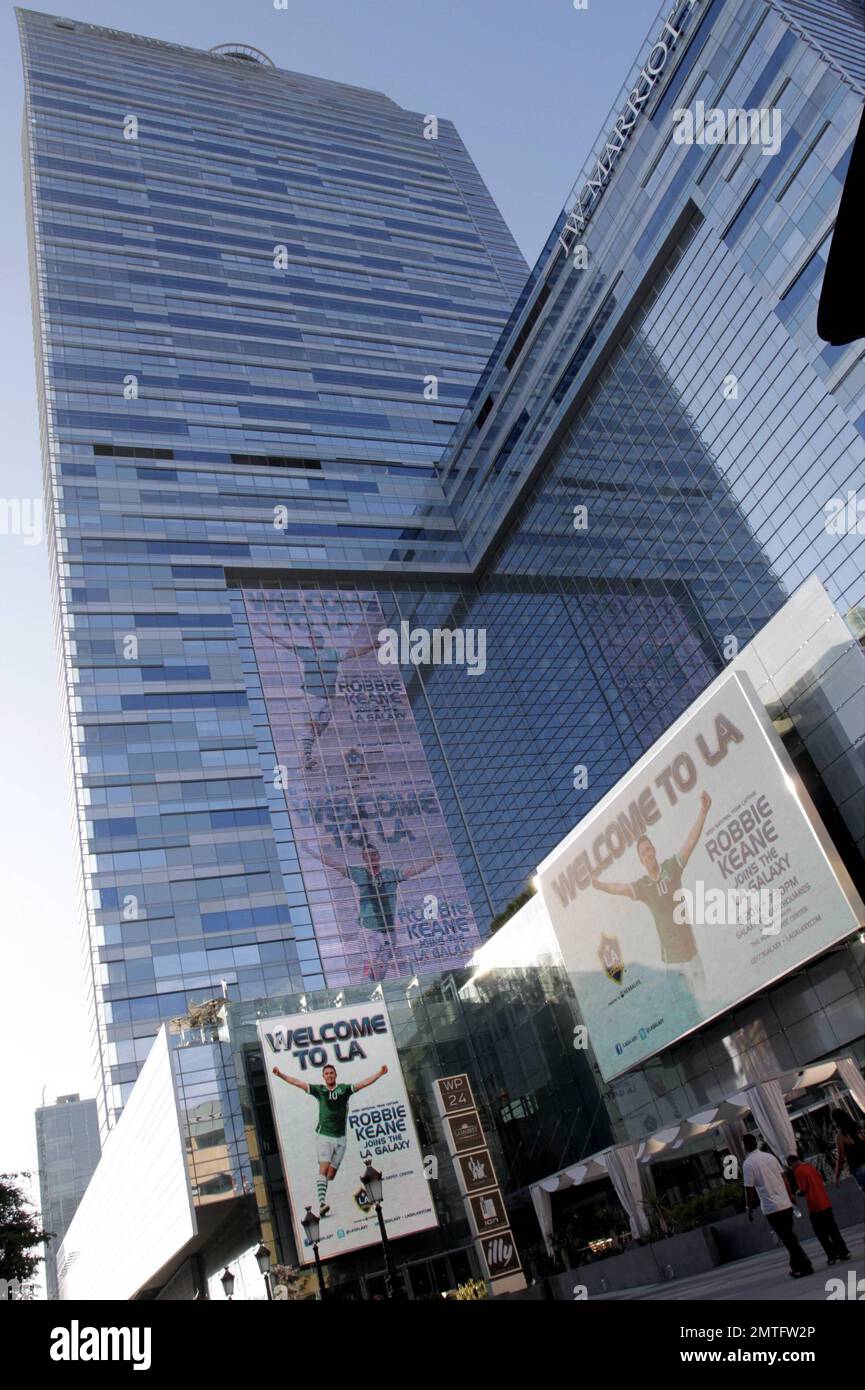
column 655, row 63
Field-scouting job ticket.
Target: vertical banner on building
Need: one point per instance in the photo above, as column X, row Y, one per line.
column 386, row 891
column 476, row 1176
column 339, row 1101
column 703, row 876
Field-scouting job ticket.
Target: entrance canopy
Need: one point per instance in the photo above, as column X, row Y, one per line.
column 763, row 1099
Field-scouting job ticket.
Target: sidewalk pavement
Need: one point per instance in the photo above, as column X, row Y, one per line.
column 760, row 1278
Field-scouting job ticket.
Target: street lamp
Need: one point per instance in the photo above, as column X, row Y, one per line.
column 262, row 1256
column 312, row 1226
column 371, row 1182
column 226, row 1279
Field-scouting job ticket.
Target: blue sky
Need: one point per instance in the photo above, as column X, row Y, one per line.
column 529, row 85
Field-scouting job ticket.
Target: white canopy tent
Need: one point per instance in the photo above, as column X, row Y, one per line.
column 764, row 1100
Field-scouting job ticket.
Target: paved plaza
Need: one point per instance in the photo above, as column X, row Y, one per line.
column 760, row 1278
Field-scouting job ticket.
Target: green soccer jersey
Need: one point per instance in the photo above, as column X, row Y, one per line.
column 376, row 896
column 332, row 1109
column 320, row 669
column 677, row 938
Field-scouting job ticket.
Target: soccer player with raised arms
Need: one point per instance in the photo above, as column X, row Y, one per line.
column 333, row 1102
column 657, row 890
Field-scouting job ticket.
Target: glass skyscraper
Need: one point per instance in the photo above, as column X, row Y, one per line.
column 262, row 301
column 662, row 371
column 67, row 1150
column 297, row 388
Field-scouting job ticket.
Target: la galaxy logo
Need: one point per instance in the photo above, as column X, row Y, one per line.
column 354, row 763
column 363, row 1201
column 610, row 956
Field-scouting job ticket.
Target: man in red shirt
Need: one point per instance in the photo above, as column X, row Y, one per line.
column 812, row 1187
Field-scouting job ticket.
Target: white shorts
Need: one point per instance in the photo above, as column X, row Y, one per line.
column 331, row 1151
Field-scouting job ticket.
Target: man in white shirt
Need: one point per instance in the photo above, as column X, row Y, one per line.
column 765, row 1182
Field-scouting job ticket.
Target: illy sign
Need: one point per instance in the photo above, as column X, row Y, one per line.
column 500, row 1254
column 653, row 67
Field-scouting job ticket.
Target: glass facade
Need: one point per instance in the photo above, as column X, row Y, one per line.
column 508, row 1022
column 748, row 236
column 67, row 1150
column 262, row 300
column 673, row 387
column 510, row 1028
column 289, row 359
column 376, row 857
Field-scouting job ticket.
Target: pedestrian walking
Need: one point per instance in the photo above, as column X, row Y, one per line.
column 811, row 1186
column 766, row 1183
column 851, row 1147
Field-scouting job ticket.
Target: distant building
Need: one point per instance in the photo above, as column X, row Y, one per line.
column 67, row 1143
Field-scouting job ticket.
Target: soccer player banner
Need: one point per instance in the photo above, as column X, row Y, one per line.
column 339, row 1101
column 387, row 893
column 703, row 876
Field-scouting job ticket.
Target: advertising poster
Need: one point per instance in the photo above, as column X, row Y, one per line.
column 339, row 1101
column 704, row 875
column 379, row 868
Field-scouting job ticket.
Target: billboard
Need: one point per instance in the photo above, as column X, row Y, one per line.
column 339, row 1101
column 704, row 875
column 379, row 868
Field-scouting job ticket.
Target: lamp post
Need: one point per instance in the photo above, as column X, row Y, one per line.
column 371, row 1182
column 312, row 1226
column 226, row 1279
column 262, row 1257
